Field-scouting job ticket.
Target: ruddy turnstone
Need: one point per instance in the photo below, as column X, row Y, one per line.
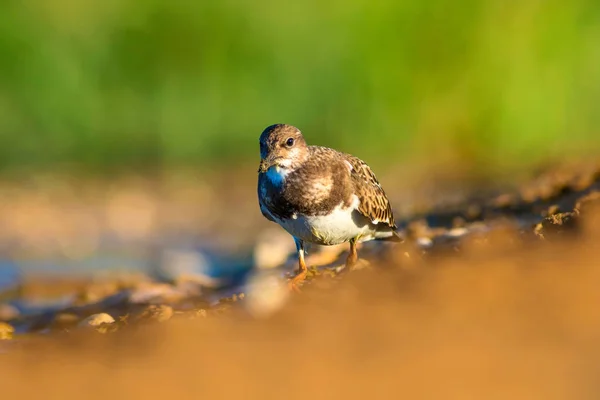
column 320, row 195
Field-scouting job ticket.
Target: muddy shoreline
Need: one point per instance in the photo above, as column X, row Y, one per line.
column 496, row 298
column 544, row 210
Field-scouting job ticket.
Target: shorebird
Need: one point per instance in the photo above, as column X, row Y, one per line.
column 320, row 195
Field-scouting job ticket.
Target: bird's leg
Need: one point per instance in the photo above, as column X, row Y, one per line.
column 352, row 256
column 302, row 269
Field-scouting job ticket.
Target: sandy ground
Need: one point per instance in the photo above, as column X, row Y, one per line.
column 522, row 325
column 508, row 314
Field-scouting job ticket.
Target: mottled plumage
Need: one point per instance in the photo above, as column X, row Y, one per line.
column 318, row 194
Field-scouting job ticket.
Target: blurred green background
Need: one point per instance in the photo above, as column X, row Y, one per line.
column 131, row 83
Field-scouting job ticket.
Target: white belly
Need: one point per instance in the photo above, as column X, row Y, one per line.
column 338, row 227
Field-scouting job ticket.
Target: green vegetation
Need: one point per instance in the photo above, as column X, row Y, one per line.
column 108, row 83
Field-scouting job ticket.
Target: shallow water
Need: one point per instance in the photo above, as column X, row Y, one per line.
column 220, row 272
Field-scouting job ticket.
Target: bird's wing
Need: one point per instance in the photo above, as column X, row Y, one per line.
column 374, row 203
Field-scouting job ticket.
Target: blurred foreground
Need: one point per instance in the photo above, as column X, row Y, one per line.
column 502, row 303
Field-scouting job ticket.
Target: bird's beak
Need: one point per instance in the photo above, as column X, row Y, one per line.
column 265, row 164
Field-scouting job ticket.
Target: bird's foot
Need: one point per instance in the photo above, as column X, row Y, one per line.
column 295, row 282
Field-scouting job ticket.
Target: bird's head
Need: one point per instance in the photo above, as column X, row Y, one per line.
column 282, row 146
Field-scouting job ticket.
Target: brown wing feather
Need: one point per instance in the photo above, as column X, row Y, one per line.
column 374, row 203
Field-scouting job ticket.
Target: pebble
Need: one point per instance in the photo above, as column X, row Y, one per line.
column 457, row 232
column 266, row 294
column 96, row 292
column 64, row 320
column 157, row 293
column 272, row 249
column 6, row 331
column 424, row 242
column 97, row 320
column 186, row 266
column 8, row 312
column 160, row 313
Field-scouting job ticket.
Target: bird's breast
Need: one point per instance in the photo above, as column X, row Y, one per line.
column 338, row 226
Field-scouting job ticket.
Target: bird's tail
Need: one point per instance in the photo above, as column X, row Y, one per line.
column 394, row 237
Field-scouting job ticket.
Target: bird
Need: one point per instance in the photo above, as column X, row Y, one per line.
column 320, row 195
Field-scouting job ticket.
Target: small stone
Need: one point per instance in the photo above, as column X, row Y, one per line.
column 64, row 320
column 96, row 292
column 458, row 222
column 6, row 331
column 156, row 293
column 504, row 200
column 473, row 211
column 202, row 313
column 266, row 294
column 160, row 313
column 553, row 209
column 272, row 249
column 8, row 312
column 537, row 230
column 96, row 320
column 183, row 266
column 424, row 242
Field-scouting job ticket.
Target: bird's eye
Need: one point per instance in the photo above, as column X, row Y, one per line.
column 289, row 142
